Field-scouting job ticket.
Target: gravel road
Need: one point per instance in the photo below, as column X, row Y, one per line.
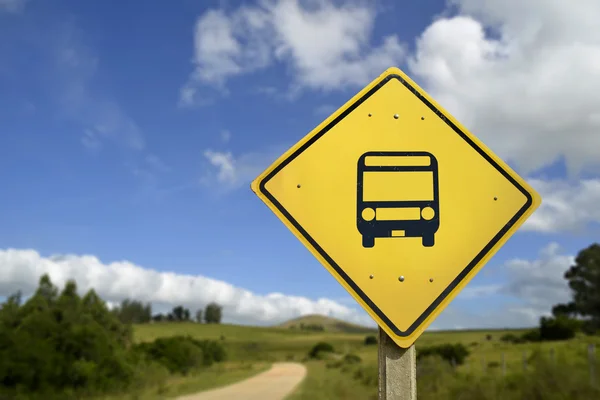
column 274, row 384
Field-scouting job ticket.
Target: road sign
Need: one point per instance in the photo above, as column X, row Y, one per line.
column 398, row 201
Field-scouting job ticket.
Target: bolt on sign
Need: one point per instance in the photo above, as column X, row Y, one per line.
column 398, row 201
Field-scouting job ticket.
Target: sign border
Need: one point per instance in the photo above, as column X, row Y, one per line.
column 533, row 200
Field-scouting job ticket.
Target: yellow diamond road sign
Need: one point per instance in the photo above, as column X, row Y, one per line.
column 398, row 201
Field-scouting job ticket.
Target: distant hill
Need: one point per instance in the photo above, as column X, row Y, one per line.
column 328, row 324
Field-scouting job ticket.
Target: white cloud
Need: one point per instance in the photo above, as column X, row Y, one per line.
column 533, row 285
column 324, row 43
column 566, row 206
column 474, row 292
column 529, row 91
column 21, row 270
column 225, row 164
column 228, row 172
column 540, row 283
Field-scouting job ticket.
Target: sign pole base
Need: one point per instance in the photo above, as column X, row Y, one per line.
column 397, row 370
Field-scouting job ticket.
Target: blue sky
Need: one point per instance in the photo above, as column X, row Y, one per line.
column 129, row 134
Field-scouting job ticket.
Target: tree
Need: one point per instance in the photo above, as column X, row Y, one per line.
column 159, row 317
column 199, row 316
column 61, row 343
column 213, row 313
column 180, row 313
column 566, row 310
column 133, row 312
column 584, row 281
column 558, row 328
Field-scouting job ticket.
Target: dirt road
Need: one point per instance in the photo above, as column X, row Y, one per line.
column 273, row 384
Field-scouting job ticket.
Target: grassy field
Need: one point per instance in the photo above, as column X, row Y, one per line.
column 326, row 380
column 329, row 324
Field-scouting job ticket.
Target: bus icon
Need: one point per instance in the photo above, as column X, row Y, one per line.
column 397, row 196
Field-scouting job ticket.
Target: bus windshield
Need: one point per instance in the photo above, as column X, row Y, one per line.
column 398, row 186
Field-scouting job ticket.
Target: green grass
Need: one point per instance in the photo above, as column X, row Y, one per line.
column 322, row 383
column 329, row 324
column 270, row 344
column 245, row 343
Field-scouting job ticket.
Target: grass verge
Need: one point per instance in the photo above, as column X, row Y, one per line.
column 218, row 375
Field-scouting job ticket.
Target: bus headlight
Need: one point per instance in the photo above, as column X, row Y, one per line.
column 368, row 214
column 428, row 213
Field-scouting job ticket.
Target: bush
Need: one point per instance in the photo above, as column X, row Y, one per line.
column 456, row 353
column 321, row 347
column 532, row 335
column 213, row 350
column 512, row 338
column 313, row 327
column 181, row 354
column 558, row 328
column 370, row 340
column 177, row 354
column 488, row 337
column 352, row 359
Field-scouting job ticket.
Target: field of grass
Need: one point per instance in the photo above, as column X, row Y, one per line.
column 329, row 324
column 325, row 380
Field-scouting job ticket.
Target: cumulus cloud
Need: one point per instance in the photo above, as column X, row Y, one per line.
column 115, row 281
column 522, row 75
column 566, row 206
column 533, row 286
column 324, row 44
column 540, row 283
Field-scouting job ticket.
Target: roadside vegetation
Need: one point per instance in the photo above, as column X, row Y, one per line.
column 60, row 345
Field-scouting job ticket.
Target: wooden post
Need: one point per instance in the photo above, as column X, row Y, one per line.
column 397, row 370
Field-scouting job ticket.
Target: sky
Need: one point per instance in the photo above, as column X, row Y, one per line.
column 130, row 132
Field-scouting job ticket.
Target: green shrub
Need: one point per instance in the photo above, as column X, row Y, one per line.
column 370, row 340
column 177, row 354
column 321, row 347
column 181, row 354
column 352, row 359
column 558, row 328
column 452, row 353
column 512, row 338
column 532, row 335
